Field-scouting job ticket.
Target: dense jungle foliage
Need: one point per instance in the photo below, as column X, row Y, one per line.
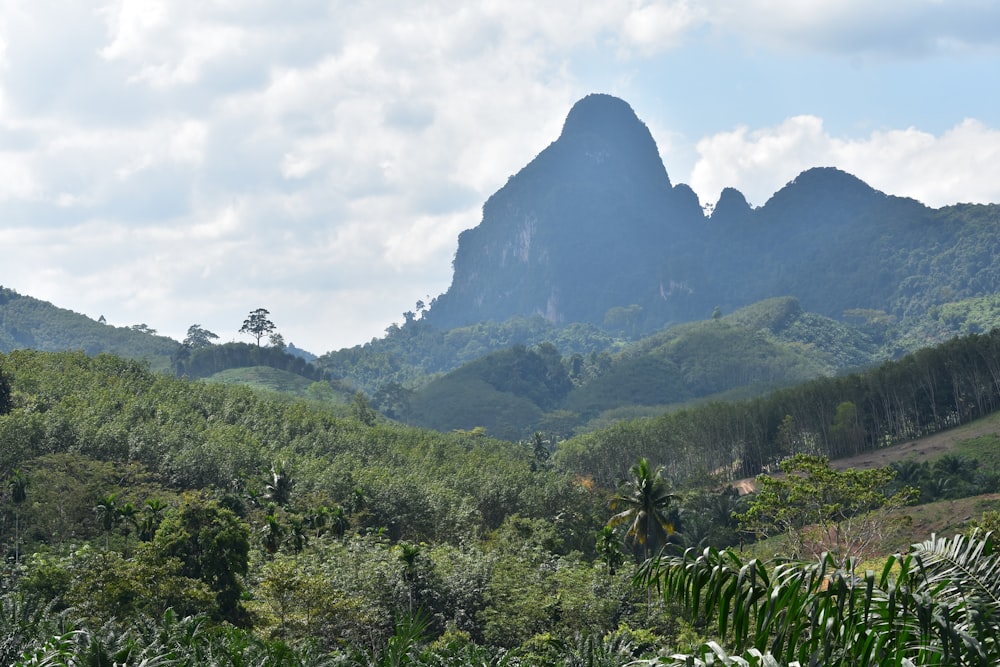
column 142, row 512
column 519, row 390
column 131, row 495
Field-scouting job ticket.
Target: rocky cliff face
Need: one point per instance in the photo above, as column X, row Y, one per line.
column 586, row 226
column 593, row 225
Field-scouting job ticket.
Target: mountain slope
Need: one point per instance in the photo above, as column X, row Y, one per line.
column 514, row 392
column 26, row 322
column 593, row 224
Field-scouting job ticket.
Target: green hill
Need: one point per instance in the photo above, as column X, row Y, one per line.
column 29, row 323
column 280, row 381
column 271, row 526
column 754, row 350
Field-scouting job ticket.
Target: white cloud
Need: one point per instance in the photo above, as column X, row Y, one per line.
column 658, row 26
column 958, row 165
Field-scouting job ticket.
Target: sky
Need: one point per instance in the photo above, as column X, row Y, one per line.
column 179, row 162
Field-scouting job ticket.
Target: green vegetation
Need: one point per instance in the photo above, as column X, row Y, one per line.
column 644, row 503
column 146, row 516
column 30, row 323
column 847, row 514
column 143, row 499
column 936, row 605
column 926, row 392
column 253, row 507
column 517, row 391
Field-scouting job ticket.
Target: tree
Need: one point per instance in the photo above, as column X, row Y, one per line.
column 362, row 410
column 257, row 325
column 6, row 394
column 197, row 337
column 608, row 550
column 149, row 520
column 539, row 450
column 213, row 544
column 408, row 556
column 339, row 522
column 17, row 485
column 271, row 534
column 128, row 517
column 936, row 605
column 819, row 509
column 108, row 517
column 643, row 501
column 277, row 341
column 278, row 489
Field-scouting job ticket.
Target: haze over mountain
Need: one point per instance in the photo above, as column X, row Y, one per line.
column 593, row 225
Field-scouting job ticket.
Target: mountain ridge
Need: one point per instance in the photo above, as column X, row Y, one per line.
column 594, row 223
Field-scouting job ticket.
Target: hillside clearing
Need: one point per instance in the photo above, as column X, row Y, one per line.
column 928, row 448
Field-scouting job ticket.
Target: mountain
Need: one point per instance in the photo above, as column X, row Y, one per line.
column 592, row 230
column 596, row 203
column 591, row 246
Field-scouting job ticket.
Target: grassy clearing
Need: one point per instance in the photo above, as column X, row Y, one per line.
column 984, row 448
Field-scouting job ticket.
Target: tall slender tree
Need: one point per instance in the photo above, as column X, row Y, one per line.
column 18, row 487
column 6, row 394
column 107, row 516
column 279, row 486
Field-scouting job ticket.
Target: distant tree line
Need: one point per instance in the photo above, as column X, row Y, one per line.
column 206, row 361
column 922, row 393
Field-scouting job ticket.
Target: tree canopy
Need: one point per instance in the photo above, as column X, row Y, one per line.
column 257, row 325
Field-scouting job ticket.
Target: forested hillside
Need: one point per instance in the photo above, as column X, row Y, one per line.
column 514, row 392
column 325, row 531
column 139, row 508
column 26, row 322
column 925, row 392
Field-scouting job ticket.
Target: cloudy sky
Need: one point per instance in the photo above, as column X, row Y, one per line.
column 172, row 162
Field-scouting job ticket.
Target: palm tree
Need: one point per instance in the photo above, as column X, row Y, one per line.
column 279, row 487
column 128, row 516
column 271, row 534
column 408, row 556
column 107, row 516
column 338, row 521
column 152, row 515
column 297, row 537
column 937, row 605
column 18, row 487
column 609, row 549
column 643, row 503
